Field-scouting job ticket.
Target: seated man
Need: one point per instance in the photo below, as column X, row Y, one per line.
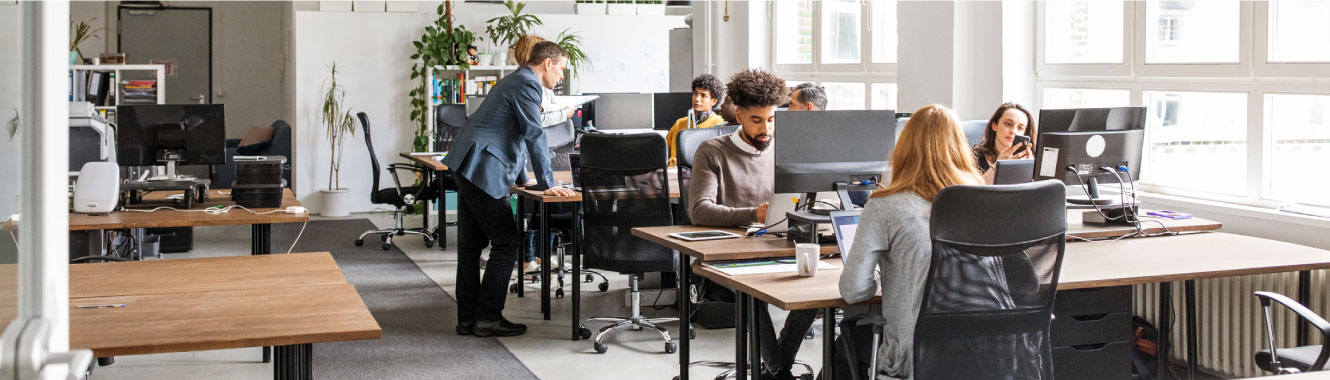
column 707, row 91
column 733, row 176
column 808, row 97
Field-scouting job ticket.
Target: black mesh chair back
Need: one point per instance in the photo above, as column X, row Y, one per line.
column 685, row 149
column 448, row 120
column 988, row 296
column 373, row 160
column 624, row 185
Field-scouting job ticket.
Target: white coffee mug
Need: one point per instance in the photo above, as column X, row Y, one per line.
column 806, row 257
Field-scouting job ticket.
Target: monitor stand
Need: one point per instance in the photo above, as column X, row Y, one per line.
column 1093, row 196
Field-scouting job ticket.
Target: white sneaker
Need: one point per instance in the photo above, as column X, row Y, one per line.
column 531, row 266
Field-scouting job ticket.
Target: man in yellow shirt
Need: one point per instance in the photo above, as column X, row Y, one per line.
column 707, row 92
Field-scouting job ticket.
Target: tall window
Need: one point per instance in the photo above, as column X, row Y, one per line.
column 847, row 46
column 1237, row 104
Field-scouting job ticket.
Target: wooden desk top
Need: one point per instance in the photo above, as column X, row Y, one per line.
column 173, row 218
column 1085, row 265
column 723, row 249
column 203, row 274
column 212, row 320
column 427, row 161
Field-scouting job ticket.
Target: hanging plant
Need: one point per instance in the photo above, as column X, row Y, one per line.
column 441, row 44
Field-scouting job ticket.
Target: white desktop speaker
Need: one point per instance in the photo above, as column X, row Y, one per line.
column 98, row 188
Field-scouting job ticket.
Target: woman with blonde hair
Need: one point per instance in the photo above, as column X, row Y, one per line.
column 550, row 113
column 893, row 233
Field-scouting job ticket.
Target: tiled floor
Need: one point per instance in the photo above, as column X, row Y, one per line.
column 546, row 348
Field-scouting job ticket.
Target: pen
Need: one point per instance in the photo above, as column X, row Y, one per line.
column 118, row 305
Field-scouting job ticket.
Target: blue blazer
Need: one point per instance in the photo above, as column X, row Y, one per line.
column 491, row 150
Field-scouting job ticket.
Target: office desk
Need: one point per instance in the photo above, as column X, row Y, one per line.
column 290, row 318
column 203, row 274
column 438, row 168
column 1085, row 265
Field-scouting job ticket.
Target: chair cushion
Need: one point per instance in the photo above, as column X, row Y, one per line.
column 1301, row 358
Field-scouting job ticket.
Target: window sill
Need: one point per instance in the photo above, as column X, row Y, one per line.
column 1173, row 201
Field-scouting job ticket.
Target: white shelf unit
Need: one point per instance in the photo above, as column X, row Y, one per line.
column 453, row 70
column 159, row 70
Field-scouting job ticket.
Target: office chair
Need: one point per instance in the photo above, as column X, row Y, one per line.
column 624, row 185
column 448, row 121
column 1298, row 359
column 974, row 131
column 685, row 149
column 988, row 294
column 401, row 197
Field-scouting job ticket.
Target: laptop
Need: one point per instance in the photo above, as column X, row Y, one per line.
column 1012, row 172
column 844, row 224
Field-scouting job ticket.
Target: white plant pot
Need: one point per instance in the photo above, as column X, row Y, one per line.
column 621, row 9
column 500, row 57
column 651, row 9
column 591, row 9
column 336, row 203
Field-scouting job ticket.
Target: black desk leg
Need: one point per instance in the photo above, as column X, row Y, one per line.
column 1165, row 325
column 577, row 275
column 425, row 213
column 544, row 243
column 518, row 217
column 754, row 338
column 685, row 304
column 441, row 231
column 1193, row 349
column 740, row 336
column 828, row 342
column 294, row 362
column 1305, row 298
column 260, row 243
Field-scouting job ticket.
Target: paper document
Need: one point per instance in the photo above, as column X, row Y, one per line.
column 764, row 267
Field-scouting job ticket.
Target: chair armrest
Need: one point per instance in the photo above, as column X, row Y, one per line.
column 1306, row 315
column 393, row 168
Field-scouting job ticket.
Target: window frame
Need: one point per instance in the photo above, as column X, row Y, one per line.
column 865, row 72
column 1242, row 68
column 1124, row 68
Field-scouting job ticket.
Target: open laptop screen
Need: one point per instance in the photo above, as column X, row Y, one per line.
column 844, row 224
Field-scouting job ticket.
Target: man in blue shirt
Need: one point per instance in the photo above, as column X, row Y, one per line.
column 487, row 158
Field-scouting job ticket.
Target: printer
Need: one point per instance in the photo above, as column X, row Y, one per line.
column 91, row 137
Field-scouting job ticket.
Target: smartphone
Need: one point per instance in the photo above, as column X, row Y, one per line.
column 1020, row 139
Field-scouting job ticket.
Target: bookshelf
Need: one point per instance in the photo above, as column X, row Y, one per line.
column 79, row 75
column 463, row 80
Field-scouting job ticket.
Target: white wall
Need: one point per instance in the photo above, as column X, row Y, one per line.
column 925, row 68
column 723, row 48
column 373, row 49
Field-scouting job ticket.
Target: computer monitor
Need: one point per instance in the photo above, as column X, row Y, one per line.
column 620, row 111
column 815, row 150
column 1076, row 145
column 171, row 134
column 668, row 107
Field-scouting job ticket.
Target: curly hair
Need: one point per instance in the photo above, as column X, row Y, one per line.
column 757, row 88
column 710, row 83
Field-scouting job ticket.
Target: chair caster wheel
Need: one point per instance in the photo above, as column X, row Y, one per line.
column 429, row 244
column 106, row 361
column 585, row 333
column 671, row 347
column 513, row 288
column 360, row 242
column 558, row 293
column 589, row 279
column 604, row 286
column 692, row 334
column 387, row 246
column 601, row 348
column 809, row 335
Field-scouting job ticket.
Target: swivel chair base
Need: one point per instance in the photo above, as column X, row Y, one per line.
column 636, row 322
column 398, row 230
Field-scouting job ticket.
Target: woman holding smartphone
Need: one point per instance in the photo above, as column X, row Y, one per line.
column 1009, row 136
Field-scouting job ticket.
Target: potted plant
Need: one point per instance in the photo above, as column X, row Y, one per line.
column 82, row 32
column 650, row 7
column 505, row 30
column 591, row 7
column 621, row 8
column 441, row 44
column 337, row 119
column 576, row 57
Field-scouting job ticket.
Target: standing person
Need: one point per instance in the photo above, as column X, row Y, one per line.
column 707, row 91
column 488, row 157
column 550, row 113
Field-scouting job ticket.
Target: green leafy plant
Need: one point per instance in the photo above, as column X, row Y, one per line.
column 12, row 125
column 340, row 125
column 443, row 43
column 82, row 32
column 576, row 57
column 505, row 30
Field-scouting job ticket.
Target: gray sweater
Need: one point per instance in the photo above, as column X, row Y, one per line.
column 729, row 183
column 893, row 236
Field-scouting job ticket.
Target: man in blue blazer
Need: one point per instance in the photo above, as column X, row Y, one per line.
column 487, row 158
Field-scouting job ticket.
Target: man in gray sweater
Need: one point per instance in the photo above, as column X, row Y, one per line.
column 733, row 177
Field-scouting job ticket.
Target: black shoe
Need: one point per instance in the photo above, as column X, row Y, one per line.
column 501, row 327
column 466, row 327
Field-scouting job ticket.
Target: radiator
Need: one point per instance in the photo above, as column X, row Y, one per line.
column 1230, row 328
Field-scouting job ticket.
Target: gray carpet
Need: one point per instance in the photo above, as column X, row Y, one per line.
column 416, row 315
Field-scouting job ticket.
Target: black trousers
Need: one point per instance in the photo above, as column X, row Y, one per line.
column 482, row 222
column 779, row 353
